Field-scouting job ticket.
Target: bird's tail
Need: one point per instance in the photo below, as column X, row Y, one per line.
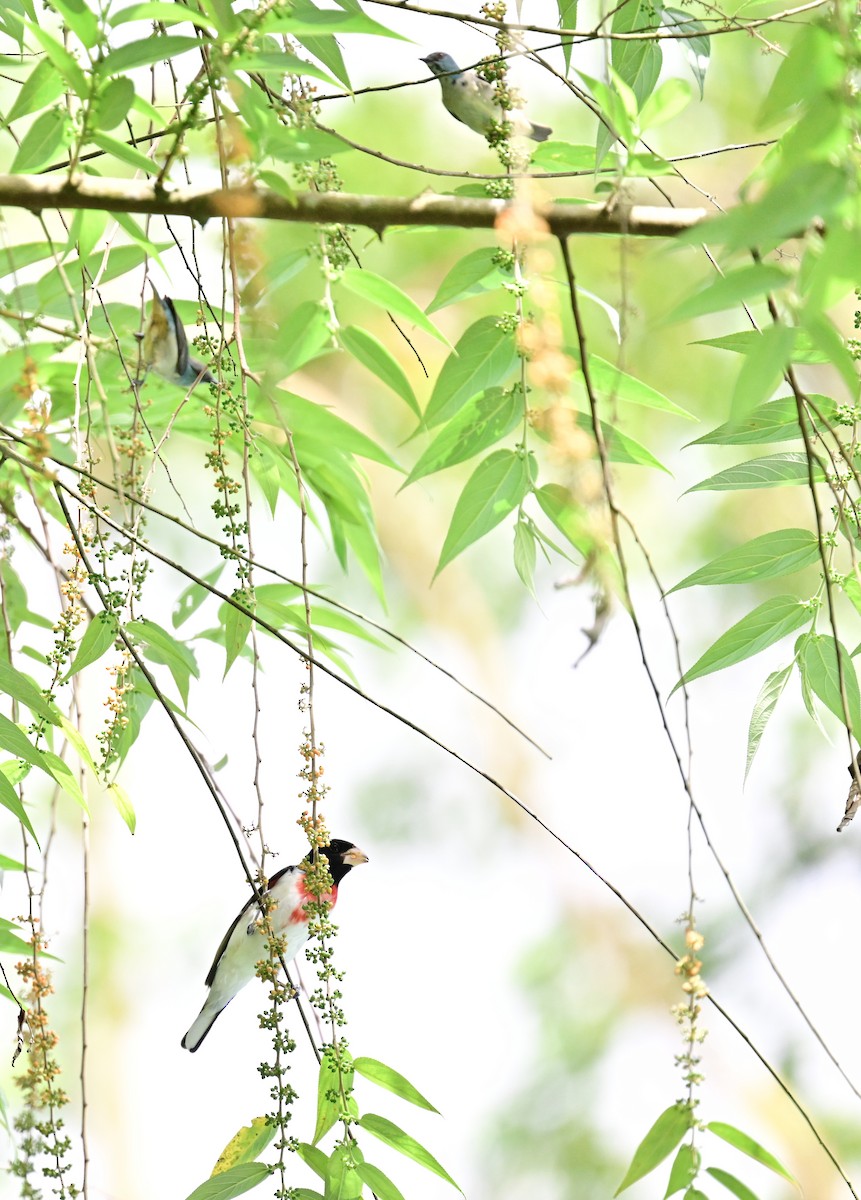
column 201, row 1025
column 540, row 133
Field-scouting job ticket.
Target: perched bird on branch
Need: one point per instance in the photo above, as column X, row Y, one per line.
column 244, row 944
column 165, row 346
column 472, row 100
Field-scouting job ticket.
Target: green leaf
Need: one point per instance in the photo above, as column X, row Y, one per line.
column 281, row 63
column 525, row 553
column 246, row 1145
column 157, row 10
column 10, row 864
column 10, row 799
column 342, row 1179
column 697, row 50
column 773, row 470
column 812, row 192
column 563, row 156
column 482, row 422
column 123, row 805
column 745, row 1143
column 494, row 489
column 817, row 659
column 326, row 21
column 393, row 1081
column 129, row 155
column 42, row 87
column 314, row 1158
column 21, row 688
column 613, row 384
column 389, row 1133
column 41, row 142
column 10, row 944
column 666, row 1133
column 161, row 647
column 99, row 636
column 384, row 294
column 145, row 52
column 567, row 20
column 556, row 504
column 303, row 145
column 738, row 1189
column 380, row 1184
column 80, row 18
column 762, row 369
column 237, row 626
column 330, row 1084
column 62, row 773
column 371, row 353
column 484, row 357
column 766, row 702
column 765, row 557
column 233, row 1182
column 476, row 272
column 824, row 337
column 684, row 1169
column 64, row 63
column 620, row 448
column 748, row 339
column 761, row 628
column 671, row 98
column 314, row 426
column 776, row 421
column 638, row 63
column 757, row 279
column 193, row 596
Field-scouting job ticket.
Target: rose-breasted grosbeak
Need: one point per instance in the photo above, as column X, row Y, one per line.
column 244, row 945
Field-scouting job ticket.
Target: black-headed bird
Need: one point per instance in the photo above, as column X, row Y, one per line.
column 244, row 944
column 472, row 100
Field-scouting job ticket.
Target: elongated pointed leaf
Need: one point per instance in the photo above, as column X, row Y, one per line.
column 384, row 294
column 747, row 1145
column 99, row 636
column 481, row 423
column 697, row 50
column 41, row 143
column 123, row 805
column 765, row 625
column 233, row 1182
column 776, row 421
column 387, row 1077
column 766, row 702
column 740, row 1190
column 476, row 272
column 484, row 357
column 10, row 799
column 762, row 369
column 684, row 1169
column 389, row 1133
column 613, row 383
column 380, row 1184
column 145, row 52
column 23, row 689
column 329, row 1101
column 342, row 1180
column 494, row 489
column 774, row 470
column 661, row 1140
column 765, row 557
column 817, row 659
column 726, row 291
column 246, row 1145
column 371, row 353
column 237, row 626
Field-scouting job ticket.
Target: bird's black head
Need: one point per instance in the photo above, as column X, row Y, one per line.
column 342, row 856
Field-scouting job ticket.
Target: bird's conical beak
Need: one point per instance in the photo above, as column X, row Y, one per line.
column 354, row 857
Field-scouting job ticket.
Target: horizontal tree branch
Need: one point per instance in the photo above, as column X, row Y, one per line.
column 377, row 212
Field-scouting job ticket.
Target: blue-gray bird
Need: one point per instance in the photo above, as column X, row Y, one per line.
column 472, row 100
column 165, row 347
